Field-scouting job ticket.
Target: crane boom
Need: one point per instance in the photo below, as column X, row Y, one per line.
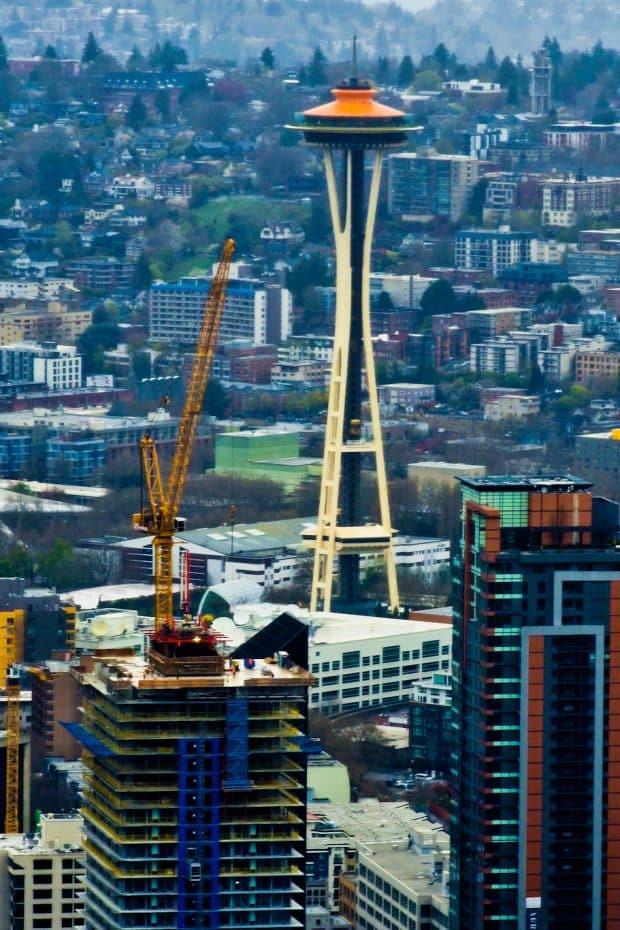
column 164, row 500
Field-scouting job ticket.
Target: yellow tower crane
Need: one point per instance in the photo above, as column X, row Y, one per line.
column 8, row 651
column 160, row 517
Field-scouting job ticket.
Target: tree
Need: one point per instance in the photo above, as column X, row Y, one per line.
column 316, row 73
column 162, row 104
column 136, row 60
column 406, row 72
column 57, row 566
column 439, row 297
column 507, row 72
column 4, row 57
column 50, row 52
column 268, row 59
column 442, row 56
column 490, row 62
column 167, row 56
column 142, row 277
column 216, row 400
column 427, row 80
column 137, row 115
column 382, row 72
column 603, row 113
column 91, row 50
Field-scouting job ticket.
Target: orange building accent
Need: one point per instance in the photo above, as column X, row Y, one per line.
column 535, row 723
column 613, row 764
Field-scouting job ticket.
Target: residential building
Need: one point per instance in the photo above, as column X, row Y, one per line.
column 535, row 674
column 70, row 444
column 58, row 367
column 33, row 321
column 55, row 701
column 511, row 353
column 41, row 876
column 195, row 797
column 500, row 403
column 309, row 346
column 405, row 290
column 566, row 200
column 406, row 395
column 430, row 724
column 491, row 250
column 127, row 185
column 424, row 186
column 101, row 274
column 75, row 459
column 394, row 863
column 300, row 374
column 43, row 622
column 592, row 368
column 581, row 137
column 252, row 310
column 604, row 263
column 493, row 322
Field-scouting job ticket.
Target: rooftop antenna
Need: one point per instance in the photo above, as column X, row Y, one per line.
column 354, row 78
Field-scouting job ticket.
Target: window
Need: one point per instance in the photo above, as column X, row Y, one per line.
column 391, row 653
column 351, row 659
column 350, row 677
column 329, row 680
column 430, row 648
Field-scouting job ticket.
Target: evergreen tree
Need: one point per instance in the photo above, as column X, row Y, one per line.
column 406, row 72
column 51, row 53
column 267, row 58
column 507, row 72
column 162, row 104
column 137, row 114
column 316, row 73
column 91, row 50
column 142, row 277
column 382, row 73
column 442, row 56
column 4, row 57
column 490, row 62
column 136, row 60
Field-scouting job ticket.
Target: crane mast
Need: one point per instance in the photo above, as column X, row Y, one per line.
column 12, row 688
column 160, row 516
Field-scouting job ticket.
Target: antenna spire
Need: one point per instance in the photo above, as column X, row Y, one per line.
column 354, row 75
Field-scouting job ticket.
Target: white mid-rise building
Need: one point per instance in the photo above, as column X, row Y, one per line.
column 57, row 367
column 41, row 876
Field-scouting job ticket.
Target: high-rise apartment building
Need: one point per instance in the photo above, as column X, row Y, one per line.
column 536, row 697
column 194, row 809
column 255, row 311
column 424, row 186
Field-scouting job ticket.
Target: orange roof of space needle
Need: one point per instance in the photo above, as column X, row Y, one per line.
column 354, row 103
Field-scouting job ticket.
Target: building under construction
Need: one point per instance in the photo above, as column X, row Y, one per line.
column 195, row 766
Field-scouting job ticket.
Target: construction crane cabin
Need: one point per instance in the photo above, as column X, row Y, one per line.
column 160, row 516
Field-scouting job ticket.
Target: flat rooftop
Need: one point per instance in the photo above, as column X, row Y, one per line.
column 554, row 483
column 117, row 672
